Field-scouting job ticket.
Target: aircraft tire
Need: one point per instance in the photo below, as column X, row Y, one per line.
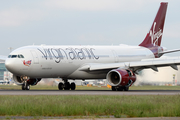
column 73, row 86
column 120, row 88
column 126, row 88
column 67, row 86
column 113, row 88
column 23, row 87
column 27, row 87
column 60, row 86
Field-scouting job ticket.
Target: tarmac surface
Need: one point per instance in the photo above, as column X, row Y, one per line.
column 89, row 92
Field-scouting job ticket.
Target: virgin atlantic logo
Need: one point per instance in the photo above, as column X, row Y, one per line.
column 155, row 36
column 27, row 63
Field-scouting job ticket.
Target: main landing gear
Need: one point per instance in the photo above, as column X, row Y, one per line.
column 119, row 88
column 66, row 85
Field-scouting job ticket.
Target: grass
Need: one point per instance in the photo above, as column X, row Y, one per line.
column 83, row 105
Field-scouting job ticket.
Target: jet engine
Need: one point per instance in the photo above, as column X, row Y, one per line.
column 121, row 77
column 31, row 81
column 17, row 79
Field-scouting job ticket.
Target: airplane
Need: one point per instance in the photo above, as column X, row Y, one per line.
column 118, row 64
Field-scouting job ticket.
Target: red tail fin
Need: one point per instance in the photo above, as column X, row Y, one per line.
column 153, row 38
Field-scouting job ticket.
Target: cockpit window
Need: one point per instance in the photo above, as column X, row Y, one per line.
column 20, row 56
column 15, row 56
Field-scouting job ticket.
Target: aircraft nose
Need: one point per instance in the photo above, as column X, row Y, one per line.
column 9, row 65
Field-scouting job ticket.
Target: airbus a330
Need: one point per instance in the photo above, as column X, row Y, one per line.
column 118, row 64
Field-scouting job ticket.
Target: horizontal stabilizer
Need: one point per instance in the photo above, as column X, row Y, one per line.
column 168, row 51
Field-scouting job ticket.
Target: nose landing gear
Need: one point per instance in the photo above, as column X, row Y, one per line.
column 25, row 85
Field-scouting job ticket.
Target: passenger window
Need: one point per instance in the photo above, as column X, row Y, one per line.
column 9, row 56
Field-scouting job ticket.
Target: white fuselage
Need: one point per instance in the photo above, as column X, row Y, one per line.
column 64, row 61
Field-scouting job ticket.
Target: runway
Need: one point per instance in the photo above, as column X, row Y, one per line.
column 90, row 92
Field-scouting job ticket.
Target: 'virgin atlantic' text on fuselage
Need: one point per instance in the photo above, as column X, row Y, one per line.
column 68, row 53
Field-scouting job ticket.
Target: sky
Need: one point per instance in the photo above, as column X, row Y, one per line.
column 84, row 22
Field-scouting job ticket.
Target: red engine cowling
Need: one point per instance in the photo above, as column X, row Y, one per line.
column 121, row 77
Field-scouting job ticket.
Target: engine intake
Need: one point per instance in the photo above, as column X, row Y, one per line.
column 121, row 77
column 17, row 79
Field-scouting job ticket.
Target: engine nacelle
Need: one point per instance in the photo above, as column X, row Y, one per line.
column 121, row 77
column 31, row 81
column 17, row 79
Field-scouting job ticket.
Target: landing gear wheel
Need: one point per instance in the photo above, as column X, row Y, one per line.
column 126, row 88
column 60, row 86
column 25, row 87
column 73, row 86
column 113, row 88
column 120, row 88
column 66, row 86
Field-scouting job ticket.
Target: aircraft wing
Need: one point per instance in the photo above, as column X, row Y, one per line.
column 136, row 65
